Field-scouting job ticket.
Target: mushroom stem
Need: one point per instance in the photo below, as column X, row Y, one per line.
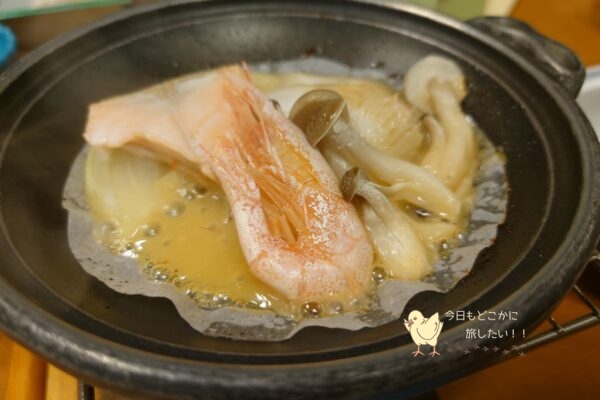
column 405, row 255
column 323, row 117
column 336, row 161
column 437, row 145
column 432, row 69
column 460, row 145
column 423, row 188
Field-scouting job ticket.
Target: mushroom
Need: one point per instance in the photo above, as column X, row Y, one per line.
column 429, row 69
column 339, row 165
column 437, row 146
column 323, row 116
column 395, row 241
column 460, row 144
column 436, row 85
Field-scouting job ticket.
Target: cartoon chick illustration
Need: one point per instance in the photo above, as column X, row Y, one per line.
column 424, row 330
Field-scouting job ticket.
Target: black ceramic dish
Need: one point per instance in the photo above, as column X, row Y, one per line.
column 521, row 93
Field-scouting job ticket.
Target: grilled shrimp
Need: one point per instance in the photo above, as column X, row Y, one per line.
column 297, row 233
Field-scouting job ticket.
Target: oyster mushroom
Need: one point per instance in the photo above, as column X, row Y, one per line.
column 323, row 117
column 437, row 145
column 395, row 241
column 459, row 154
column 436, row 86
column 427, row 70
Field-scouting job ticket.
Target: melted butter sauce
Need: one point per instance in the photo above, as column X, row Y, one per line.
column 188, row 239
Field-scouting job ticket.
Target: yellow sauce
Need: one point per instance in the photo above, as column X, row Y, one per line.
column 185, row 235
column 189, row 239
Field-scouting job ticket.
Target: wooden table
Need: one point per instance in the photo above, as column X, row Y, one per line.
column 568, row 368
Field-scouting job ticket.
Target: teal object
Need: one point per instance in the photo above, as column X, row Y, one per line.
column 8, row 44
column 25, row 8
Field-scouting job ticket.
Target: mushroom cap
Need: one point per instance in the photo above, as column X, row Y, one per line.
column 349, row 184
column 316, row 112
column 428, row 69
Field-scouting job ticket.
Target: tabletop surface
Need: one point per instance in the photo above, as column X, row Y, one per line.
column 567, row 368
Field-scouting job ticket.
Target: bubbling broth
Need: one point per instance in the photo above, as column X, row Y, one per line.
column 180, row 228
column 303, row 193
column 186, row 237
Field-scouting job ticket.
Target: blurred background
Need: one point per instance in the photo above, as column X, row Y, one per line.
column 36, row 21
